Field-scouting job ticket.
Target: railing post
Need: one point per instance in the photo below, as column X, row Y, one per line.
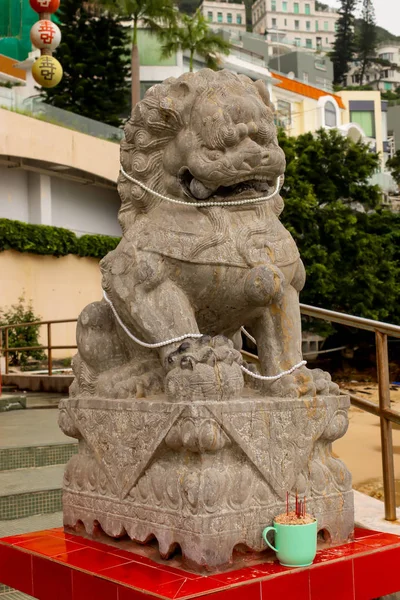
column 49, row 352
column 386, row 426
column 1, row 354
column 6, row 349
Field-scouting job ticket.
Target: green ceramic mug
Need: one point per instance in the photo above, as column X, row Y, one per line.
column 296, row 545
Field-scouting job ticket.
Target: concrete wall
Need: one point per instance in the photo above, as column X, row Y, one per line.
column 375, row 97
column 58, row 287
column 84, row 209
column 44, row 200
column 25, row 137
column 393, row 116
column 310, row 68
column 14, row 202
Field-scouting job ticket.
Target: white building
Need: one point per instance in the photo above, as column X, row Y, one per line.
column 292, row 23
column 227, row 15
column 380, row 77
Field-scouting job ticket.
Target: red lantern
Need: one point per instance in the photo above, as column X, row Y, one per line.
column 44, row 6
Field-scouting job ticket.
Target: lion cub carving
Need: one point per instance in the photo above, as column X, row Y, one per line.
column 206, row 137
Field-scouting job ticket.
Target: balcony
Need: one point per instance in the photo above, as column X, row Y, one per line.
column 34, row 107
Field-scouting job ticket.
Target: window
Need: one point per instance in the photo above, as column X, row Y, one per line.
column 284, row 6
column 336, row 26
column 387, row 85
column 326, row 26
column 219, row 17
column 239, row 19
column 296, row 8
column 307, row 7
column 297, row 41
column 285, row 22
column 229, row 18
column 283, row 114
column 274, row 23
column 387, row 56
column 308, row 43
column 297, row 25
column 326, row 40
column 308, row 25
column 365, row 119
column 316, row 25
column 273, row 5
column 305, row 77
column 330, row 116
column 209, row 16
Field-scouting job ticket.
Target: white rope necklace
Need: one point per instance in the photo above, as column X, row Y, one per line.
column 202, row 204
column 197, row 335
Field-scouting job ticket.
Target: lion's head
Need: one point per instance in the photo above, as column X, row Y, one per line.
column 204, row 136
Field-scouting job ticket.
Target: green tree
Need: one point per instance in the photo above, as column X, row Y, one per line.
column 350, row 246
column 155, row 15
column 393, row 165
column 192, row 34
column 92, row 54
column 367, row 38
column 344, row 46
column 18, row 337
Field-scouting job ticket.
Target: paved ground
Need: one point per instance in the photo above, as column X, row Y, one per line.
column 35, row 523
column 31, row 428
column 22, row 481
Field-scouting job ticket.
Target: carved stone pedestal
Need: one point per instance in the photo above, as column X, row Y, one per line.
column 205, row 475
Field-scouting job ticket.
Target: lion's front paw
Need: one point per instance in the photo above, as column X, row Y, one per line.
column 204, row 369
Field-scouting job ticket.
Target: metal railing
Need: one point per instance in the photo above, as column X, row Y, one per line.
column 383, row 411
column 6, row 350
column 387, row 415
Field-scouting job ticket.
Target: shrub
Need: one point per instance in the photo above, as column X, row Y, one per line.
column 53, row 241
column 19, row 337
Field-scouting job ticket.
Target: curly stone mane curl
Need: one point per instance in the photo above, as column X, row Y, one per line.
column 156, row 120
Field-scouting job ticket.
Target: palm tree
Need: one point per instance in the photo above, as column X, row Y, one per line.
column 192, row 33
column 152, row 14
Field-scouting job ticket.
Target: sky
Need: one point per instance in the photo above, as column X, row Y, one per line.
column 387, row 13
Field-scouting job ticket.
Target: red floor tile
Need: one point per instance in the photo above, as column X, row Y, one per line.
column 380, row 541
column 88, row 587
column 140, row 576
column 333, row 581
column 24, row 537
column 360, row 533
column 347, row 550
column 16, row 569
column 293, row 587
column 377, row 574
column 49, row 545
column 251, row 591
column 246, row 574
column 128, row 594
column 51, row 580
column 91, row 560
column 199, row 586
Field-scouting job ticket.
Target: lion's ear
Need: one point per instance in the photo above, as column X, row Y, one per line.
column 262, row 90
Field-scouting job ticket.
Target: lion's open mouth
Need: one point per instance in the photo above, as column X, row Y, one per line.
column 197, row 190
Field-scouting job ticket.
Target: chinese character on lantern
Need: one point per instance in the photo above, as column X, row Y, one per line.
column 47, row 71
column 47, row 68
column 45, row 34
column 44, row 6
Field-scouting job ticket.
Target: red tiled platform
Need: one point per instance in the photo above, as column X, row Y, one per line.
column 53, row 564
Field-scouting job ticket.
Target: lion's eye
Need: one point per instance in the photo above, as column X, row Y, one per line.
column 214, row 154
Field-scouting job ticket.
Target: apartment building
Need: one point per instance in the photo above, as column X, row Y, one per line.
column 380, row 77
column 297, row 23
column 227, row 15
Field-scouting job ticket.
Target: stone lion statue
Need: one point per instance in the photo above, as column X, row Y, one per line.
column 199, row 253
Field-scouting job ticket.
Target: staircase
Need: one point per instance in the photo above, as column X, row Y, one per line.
column 33, row 454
